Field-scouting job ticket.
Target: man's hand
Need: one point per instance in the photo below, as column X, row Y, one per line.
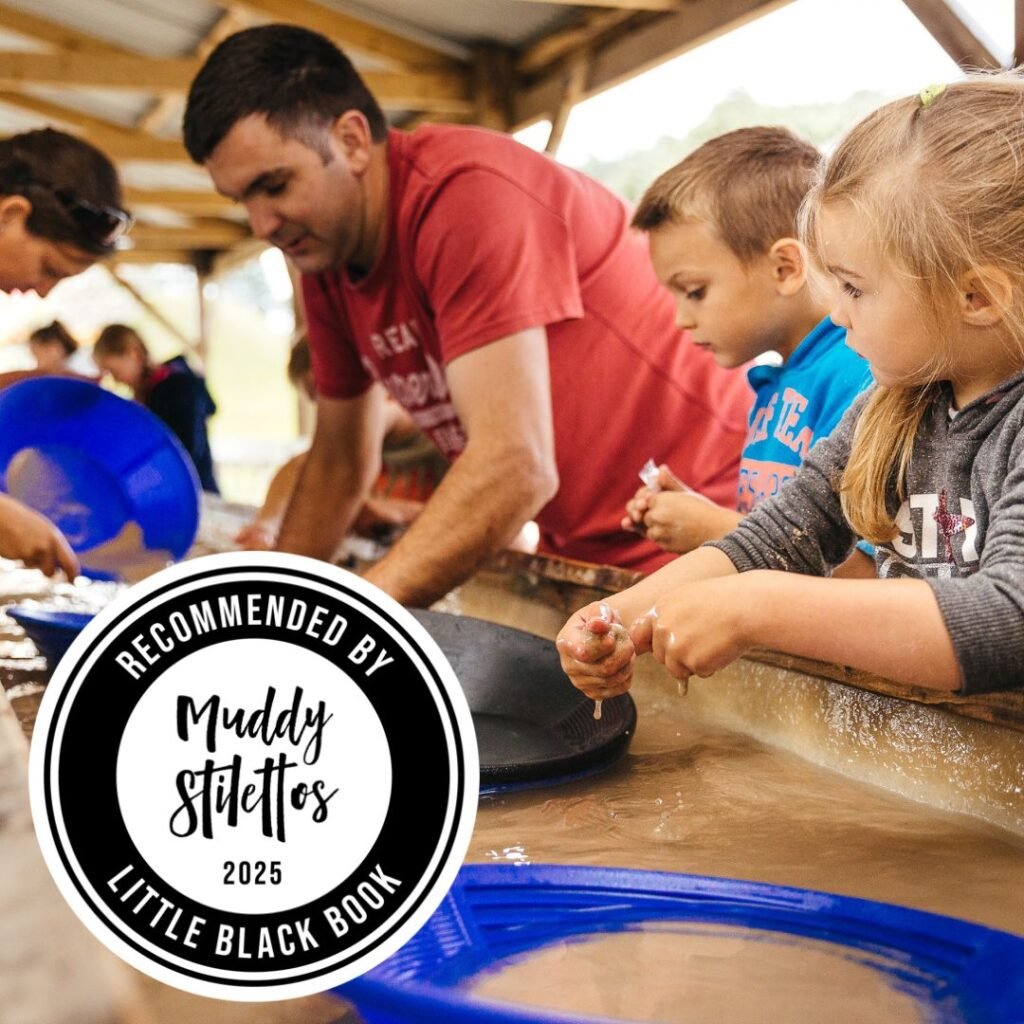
column 34, row 540
column 597, row 652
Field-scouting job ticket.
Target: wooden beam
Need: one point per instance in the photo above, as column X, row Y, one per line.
column 208, row 204
column 147, row 256
column 624, row 5
column 208, row 234
column 575, row 87
column 420, row 90
column 1018, row 32
column 150, row 308
column 116, row 71
column 954, row 35
column 117, row 142
column 349, row 31
column 227, row 24
column 53, row 33
column 623, row 55
column 493, row 87
column 551, row 48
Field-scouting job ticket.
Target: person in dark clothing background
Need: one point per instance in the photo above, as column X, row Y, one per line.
column 171, row 390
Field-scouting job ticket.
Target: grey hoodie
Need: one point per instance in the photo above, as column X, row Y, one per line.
column 961, row 526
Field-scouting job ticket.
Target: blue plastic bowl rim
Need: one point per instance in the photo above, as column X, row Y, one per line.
column 53, row 618
column 995, row 958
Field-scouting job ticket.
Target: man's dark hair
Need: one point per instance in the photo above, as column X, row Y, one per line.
column 45, row 164
column 294, row 77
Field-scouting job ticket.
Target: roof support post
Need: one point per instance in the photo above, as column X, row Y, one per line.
column 493, row 87
column 953, row 34
column 575, row 88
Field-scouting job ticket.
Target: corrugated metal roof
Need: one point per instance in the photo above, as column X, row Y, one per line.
column 152, row 27
column 508, row 22
column 133, row 124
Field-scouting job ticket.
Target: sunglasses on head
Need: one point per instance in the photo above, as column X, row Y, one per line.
column 102, row 225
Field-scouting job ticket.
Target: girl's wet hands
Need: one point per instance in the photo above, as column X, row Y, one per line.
column 597, row 652
column 699, row 628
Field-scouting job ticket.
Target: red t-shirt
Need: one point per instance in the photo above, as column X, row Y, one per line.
column 488, row 238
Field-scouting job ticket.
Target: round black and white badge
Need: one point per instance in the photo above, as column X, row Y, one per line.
column 254, row 776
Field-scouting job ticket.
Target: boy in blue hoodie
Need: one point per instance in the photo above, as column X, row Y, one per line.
column 722, row 229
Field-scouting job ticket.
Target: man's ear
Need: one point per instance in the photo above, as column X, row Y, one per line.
column 788, row 262
column 351, row 134
column 985, row 294
column 14, row 210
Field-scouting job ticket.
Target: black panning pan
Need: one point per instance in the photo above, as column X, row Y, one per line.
column 532, row 725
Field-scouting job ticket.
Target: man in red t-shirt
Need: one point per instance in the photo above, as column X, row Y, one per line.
column 497, row 295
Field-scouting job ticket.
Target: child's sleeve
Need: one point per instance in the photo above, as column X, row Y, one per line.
column 984, row 613
column 802, row 529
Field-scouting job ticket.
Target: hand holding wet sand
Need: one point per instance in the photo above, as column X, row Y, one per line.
column 597, row 653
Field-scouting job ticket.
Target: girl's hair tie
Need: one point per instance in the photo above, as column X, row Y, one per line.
column 930, row 94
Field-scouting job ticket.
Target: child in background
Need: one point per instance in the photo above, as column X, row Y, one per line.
column 919, row 220
column 722, row 228
column 171, row 390
column 52, row 346
column 412, row 469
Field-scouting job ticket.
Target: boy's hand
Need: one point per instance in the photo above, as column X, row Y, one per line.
column 681, row 521
column 638, row 505
column 597, row 652
column 701, row 627
column 33, row 539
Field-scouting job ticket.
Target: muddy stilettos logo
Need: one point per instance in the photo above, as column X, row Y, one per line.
column 254, row 776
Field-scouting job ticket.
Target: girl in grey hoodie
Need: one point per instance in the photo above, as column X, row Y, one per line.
column 918, row 221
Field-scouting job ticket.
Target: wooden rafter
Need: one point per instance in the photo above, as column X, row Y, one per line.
column 148, row 306
column 575, row 87
column 227, row 24
column 625, row 5
column 60, row 36
column 416, row 90
column 196, row 203
column 1018, row 32
column 202, row 234
column 117, row 142
column 581, row 35
column 150, row 256
column 352, row 33
column 953, row 34
column 654, row 40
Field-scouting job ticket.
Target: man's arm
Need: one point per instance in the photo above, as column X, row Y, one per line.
column 505, row 475
column 340, row 467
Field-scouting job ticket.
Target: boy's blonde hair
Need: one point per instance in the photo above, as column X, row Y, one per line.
column 747, row 184
column 940, row 187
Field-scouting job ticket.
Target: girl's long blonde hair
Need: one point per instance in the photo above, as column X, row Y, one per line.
column 940, row 187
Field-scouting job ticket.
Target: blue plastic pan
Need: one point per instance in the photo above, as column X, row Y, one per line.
column 957, row 971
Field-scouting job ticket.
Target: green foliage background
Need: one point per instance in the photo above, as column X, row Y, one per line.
column 820, row 123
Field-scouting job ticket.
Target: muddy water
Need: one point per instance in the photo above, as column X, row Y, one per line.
column 689, row 977
column 707, row 801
